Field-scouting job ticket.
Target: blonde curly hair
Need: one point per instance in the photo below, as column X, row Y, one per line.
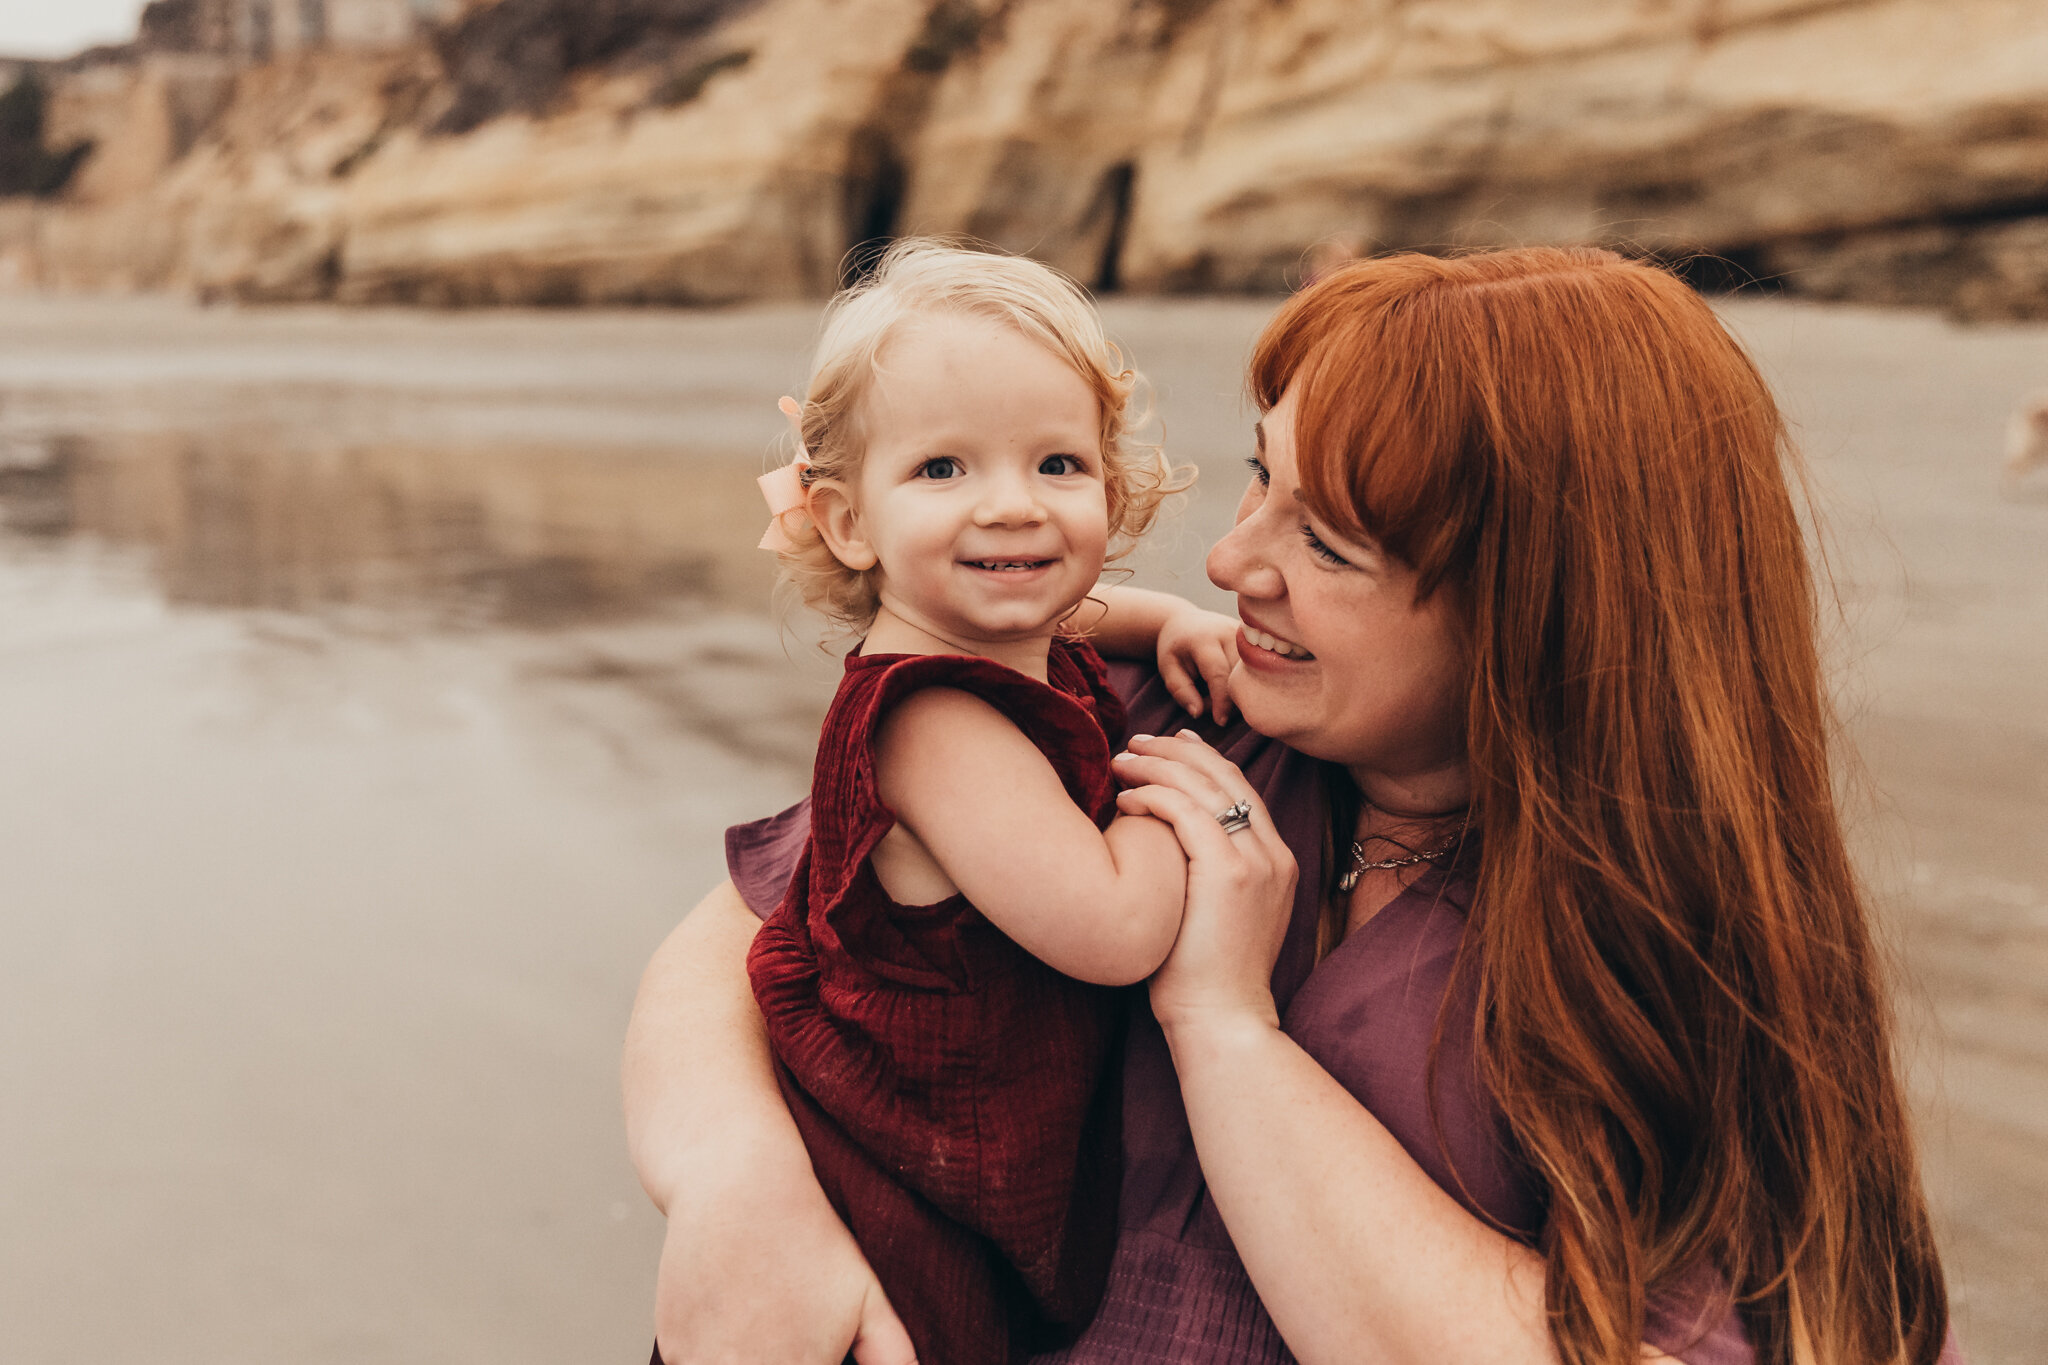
column 919, row 277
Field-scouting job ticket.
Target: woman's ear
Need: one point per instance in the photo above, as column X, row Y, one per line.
column 838, row 522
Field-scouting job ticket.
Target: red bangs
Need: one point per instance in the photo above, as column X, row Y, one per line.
column 1384, row 433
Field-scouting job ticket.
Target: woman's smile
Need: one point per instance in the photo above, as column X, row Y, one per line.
column 1260, row 648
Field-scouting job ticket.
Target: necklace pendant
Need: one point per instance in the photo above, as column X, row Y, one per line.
column 1359, row 863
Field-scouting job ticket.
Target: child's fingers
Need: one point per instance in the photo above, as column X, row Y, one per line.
column 1216, row 664
column 1180, row 683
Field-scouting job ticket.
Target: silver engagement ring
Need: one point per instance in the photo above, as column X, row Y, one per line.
column 1235, row 818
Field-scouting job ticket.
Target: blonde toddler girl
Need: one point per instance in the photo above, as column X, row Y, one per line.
column 941, row 981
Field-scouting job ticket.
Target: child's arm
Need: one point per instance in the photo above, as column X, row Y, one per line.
column 1102, row 906
column 1196, row 649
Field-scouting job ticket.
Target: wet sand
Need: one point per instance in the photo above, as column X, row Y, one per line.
column 374, row 686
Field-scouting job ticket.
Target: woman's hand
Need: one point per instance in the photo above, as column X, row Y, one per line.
column 1240, row 886
column 1197, row 650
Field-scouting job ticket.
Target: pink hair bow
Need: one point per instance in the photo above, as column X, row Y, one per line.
column 788, row 499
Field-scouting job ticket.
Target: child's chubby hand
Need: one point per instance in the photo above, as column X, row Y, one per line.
column 1197, row 650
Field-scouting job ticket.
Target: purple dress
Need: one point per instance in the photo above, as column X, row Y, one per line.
column 1178, row 1294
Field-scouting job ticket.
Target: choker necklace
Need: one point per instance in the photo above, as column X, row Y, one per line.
column 1359, row 864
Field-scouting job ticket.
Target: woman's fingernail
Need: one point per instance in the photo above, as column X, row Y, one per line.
column 1189, row 734
column 1118, row 758
column 1136, row 738
column 1194, row 707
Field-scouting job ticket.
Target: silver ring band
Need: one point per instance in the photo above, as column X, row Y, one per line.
column 1235, row 818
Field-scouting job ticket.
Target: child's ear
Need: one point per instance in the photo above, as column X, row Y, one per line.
column 838, row 523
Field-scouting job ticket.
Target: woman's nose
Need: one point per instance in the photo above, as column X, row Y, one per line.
column 1240, row 563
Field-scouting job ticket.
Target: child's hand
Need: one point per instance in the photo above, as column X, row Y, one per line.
column 1197, row 650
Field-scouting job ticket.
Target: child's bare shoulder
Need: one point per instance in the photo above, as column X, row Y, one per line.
column 940, row 720
column 941, row 748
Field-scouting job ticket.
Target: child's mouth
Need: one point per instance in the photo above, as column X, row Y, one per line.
column 1007, row 565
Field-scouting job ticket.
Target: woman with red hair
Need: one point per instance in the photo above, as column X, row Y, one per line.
column 1536, row 1015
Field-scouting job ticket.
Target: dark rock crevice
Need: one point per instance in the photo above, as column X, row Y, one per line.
column 1113, row 205
column 27, row 166
column 873, row 185
column 875, row 176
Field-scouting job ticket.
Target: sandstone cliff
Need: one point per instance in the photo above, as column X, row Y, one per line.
column 704, row 151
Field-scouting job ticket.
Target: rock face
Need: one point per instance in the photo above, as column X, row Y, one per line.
column 705, row 151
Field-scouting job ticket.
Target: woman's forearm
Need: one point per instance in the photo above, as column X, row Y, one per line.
column 1354, row 1250
column 755, row 1265
column 696, row 1069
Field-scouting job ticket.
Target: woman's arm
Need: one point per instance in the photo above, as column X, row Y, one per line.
column 1356, row 1252
column 756, row 1265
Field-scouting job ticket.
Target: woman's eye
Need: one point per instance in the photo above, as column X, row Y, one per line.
column 944, row 467
column 1062, row 464
column 1258, row 469
column 1321, row 551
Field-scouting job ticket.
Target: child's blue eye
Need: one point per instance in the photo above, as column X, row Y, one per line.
column 1062, row 464
column 943, row 467
column 1258, row 469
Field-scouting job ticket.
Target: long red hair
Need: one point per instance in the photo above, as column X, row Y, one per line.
column 1680, row 1005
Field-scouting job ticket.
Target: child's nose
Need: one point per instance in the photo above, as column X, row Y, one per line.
column 1007, row 501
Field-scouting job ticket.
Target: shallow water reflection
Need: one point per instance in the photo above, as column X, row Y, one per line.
column 533, row 536
column 372, row 690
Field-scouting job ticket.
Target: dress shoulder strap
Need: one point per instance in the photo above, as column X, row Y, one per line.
column 1064, row 719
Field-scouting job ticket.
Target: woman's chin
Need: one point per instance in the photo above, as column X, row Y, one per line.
column 1266, row 708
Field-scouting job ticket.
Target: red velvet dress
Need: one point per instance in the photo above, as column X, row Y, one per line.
column 954, row 1092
